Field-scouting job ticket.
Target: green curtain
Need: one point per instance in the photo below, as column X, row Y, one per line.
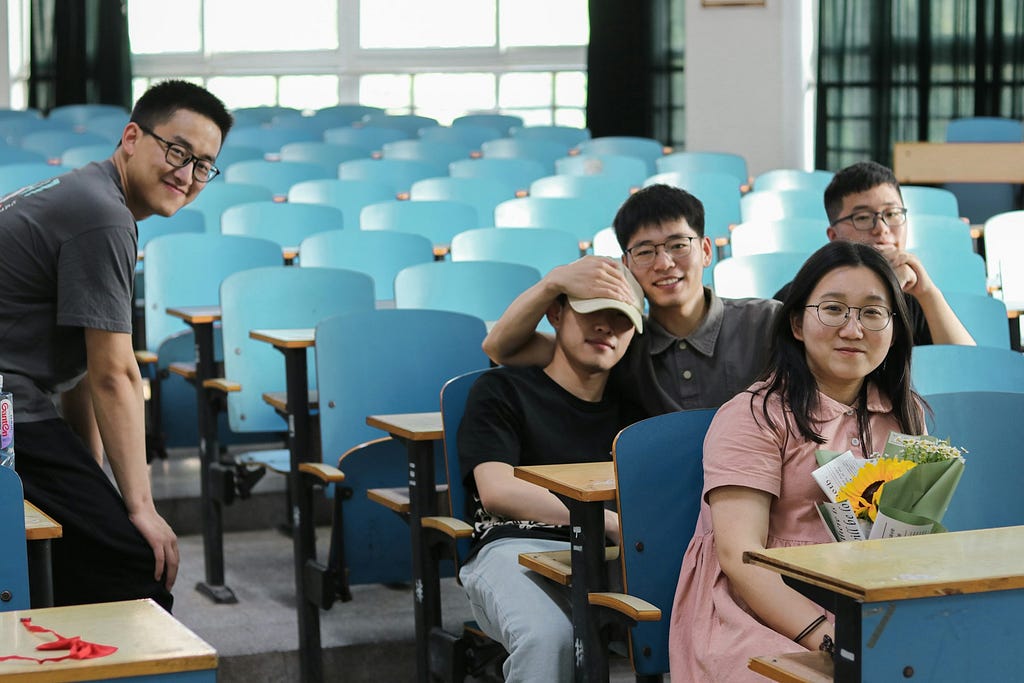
column 79, row 53
column 892, row 71
column 635, row 69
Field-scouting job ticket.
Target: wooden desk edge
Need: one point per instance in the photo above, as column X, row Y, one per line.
column 527, row 473
column 405, row 425
column 280, row 342
column 45, row 528
column 795, row 667
column 196, row 314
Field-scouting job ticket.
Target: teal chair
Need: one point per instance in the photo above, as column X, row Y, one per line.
column 932, row 201
column 777, row 205
column 438, row 220
column 719, row 192
column 757, row 275
column 232, row 153
column 648, row 149
column 988, row 494
column 466, row 135
column 718, row 162
column 516, row 173
column 397, row 174
column 793, row 179
column 370, row 138
column 408, row 123
column 954, row 271
column 482, row 193
column 16, row 176
column 345, row 114
column 656, row 522
column 276, row 176
column 628, row 170
column 566, row 135
column 183, row 221
column 12, row 130
column 110, row 127
column 934, row 232
column 428, row 151
column 540, row 248
column 261, row 115
column 545, row 152
column 381, row 254
column 483, row 289
column 350, row 196
column 284, row 224
column 53, row 143
column 578, row 215
column 981, row 201
column 269, row 139
column 502, row 122
column 81, row 114
column 940, row 369
column 13, row 551
column 18, row 155
column 804, row 235
column 76, row 157
column 218, row 196
column 984, row 317
column 605, row 189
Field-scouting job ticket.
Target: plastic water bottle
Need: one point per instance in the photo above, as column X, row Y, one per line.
column 6, row 427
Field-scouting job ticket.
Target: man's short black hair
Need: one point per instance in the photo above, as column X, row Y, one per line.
column 655, row 205
column 161, row 101
column 859, row 177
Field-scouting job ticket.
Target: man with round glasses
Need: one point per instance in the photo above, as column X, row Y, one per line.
column 864, row 204
column 68, row 260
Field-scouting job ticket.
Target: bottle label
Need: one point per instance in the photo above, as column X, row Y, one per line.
column 6, row 422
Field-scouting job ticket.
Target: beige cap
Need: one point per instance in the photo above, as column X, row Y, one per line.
column 634, row 310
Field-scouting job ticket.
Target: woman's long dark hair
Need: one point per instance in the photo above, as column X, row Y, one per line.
column 788, row 374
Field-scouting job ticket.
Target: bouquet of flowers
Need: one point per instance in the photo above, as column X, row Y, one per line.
column 902, row 492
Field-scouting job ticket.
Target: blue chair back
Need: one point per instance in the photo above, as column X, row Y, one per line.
column 657, row 521
column 381, row 254
column 502, row 122
column 648, row 149
column 183, row 220
column 218, row 196
column 793, row 179
column 778, row 205
column 943, row 368
column 438, row 220
column 270, row 139
column 988, row 494
column 932, row 232
column 539, row 248
column 581, row 216
column 329, row 155
column 81, row 114
column 397, row 174
column 482, row 193
column 110, row 127
column 718, row 162
column 12, row 130
column 16, row 176
column 600, row 188
column 187, row 269
column 466, row 136
column 349, row 196
column 544, row 152
column 409, row 123
column 76, row 157
column 370, row 138
column 629, row 170
column 719, row 192
column 260, row 114
column 518, row 173
column 984, row 317
column 276, row 176
column 931, row 201
column 431, row 152
column 284, row 224
column 13, row 552
column 804, row 235
column 566, row 135
column 18, row 155
column 345, row 114
column 277, row 297
column 954, row 271
column 232, row 153
column 53, row 143
column 483, row 289
column 757, row 275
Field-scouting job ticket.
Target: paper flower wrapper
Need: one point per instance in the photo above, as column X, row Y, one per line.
column 903, row 492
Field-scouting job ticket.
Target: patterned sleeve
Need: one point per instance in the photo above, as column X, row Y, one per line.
column 740, row 449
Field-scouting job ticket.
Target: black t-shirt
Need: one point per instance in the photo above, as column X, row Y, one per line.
column 918, row 323
column 520, row 416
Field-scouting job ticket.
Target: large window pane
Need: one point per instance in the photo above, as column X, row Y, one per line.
column 244, row 91
column 418, row 23
column 445, row 96
column 308, row 92
column 571, row 89
column 524, row 90
column 270, row 25
column 576, row 118
column 389, row 91
column 156, row 27
column 543, row 22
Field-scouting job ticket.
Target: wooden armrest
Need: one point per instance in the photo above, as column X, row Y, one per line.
column 795, row 667
column 279, row 400
column 557, row 564
column 451, row 526
column 584, row 245
column 222, row 384
column 395, row 499
column 322, row 471
column 145, row 357
column 721, row 241
column 186, row 370
column 147, row 390
column 629, row 605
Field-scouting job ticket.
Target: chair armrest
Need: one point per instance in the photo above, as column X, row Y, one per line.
column 222, row 384
column 628, row 605
column 395, row 499
column 449, row 526
column 322, row 471
column 145, row 357
column 557, row 564
column 186, row 370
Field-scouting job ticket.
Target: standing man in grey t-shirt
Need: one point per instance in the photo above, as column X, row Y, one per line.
column 67, row 261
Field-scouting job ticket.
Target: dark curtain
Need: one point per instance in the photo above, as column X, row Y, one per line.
column 892, row 71
column 634, row 69
column 80, row 53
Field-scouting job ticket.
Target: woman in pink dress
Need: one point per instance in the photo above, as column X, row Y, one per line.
column 838, row 378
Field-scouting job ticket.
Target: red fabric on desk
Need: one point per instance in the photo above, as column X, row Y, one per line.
column 77, row 648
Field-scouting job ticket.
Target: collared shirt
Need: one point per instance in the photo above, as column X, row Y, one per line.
column 719, row 359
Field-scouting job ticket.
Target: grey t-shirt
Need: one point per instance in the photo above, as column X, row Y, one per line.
column 67, row 260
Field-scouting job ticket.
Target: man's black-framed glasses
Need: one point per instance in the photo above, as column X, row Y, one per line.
column 865, row 220
column 678, row 248
column 835, row 314
column 179, row 157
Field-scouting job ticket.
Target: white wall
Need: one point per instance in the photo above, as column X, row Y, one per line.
column 748, row 75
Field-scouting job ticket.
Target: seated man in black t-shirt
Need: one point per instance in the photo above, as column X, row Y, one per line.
column 864, row 204
column 560, row 413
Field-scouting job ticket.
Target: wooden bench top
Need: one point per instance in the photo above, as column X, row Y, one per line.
column 39, row 525
column 149, row 640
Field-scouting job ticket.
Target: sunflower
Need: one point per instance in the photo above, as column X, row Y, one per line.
column 865, row 489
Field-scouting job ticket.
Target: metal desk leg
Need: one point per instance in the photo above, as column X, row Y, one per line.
column 588, row 574
column 40, row 573
column 426, row 578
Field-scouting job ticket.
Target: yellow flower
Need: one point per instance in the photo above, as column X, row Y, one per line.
column 865, row 489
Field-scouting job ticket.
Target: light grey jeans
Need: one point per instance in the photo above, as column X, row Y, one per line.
column 525, row 612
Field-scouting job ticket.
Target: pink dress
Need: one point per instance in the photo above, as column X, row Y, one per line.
column 713, row 634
